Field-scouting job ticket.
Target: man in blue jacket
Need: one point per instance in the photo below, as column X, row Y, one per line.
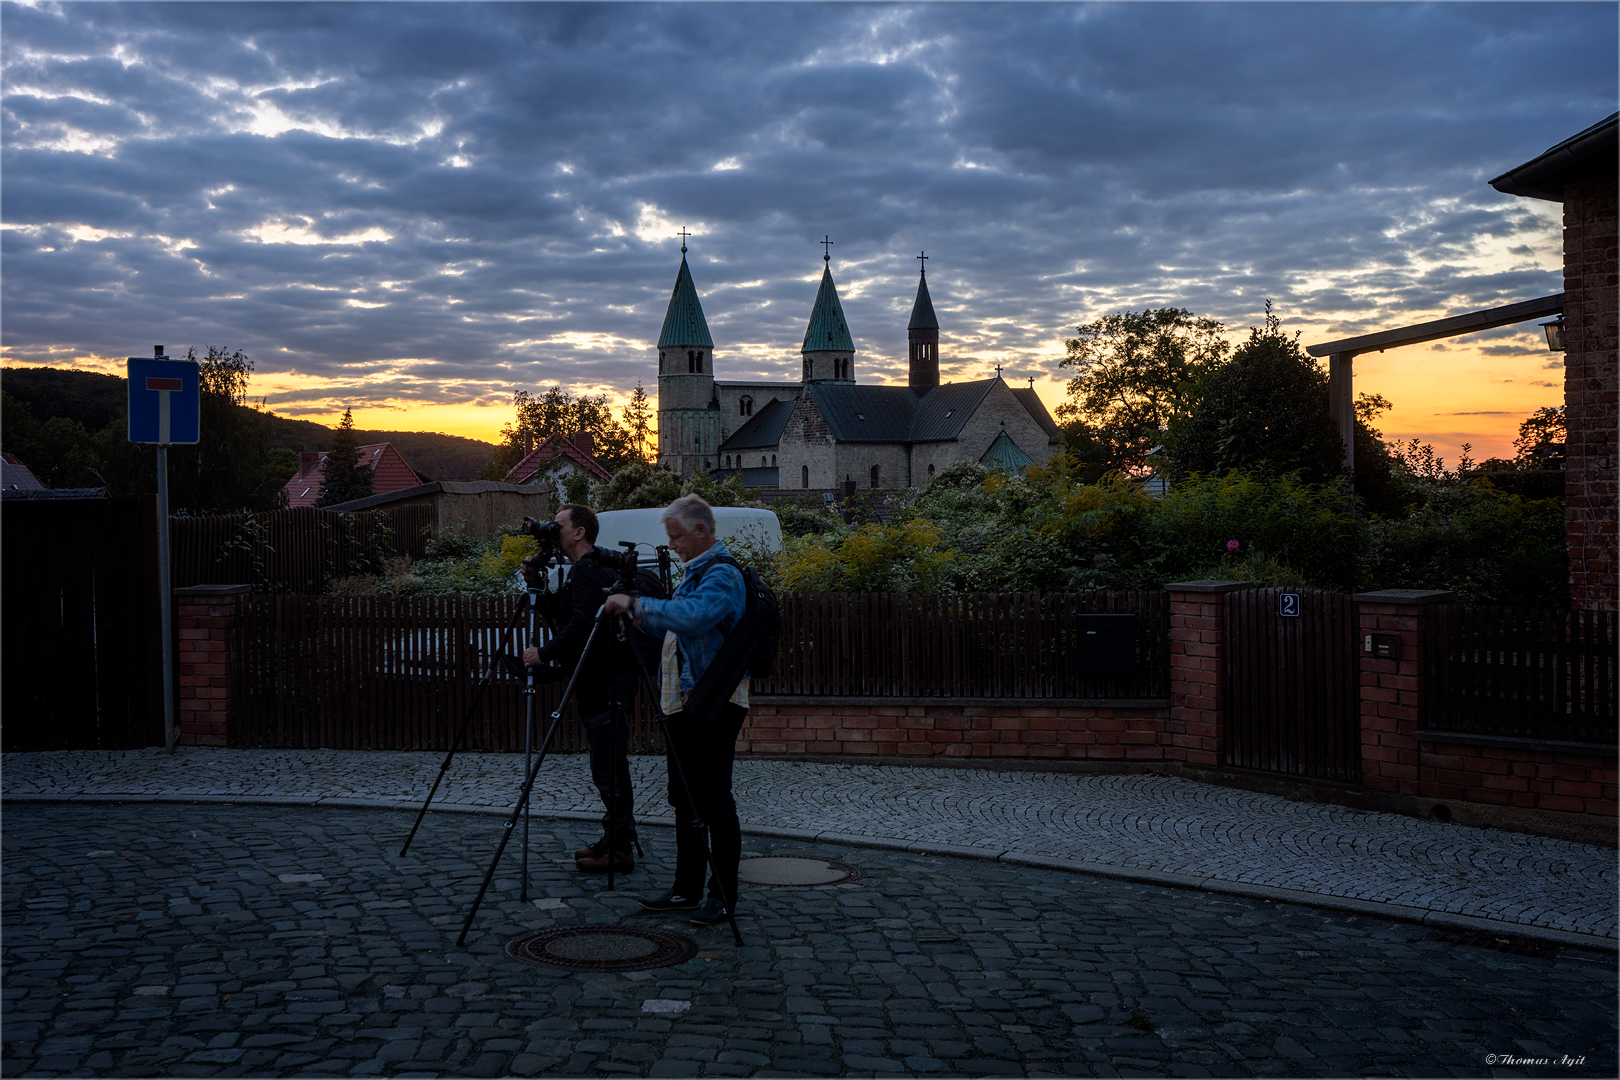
column 707, row 604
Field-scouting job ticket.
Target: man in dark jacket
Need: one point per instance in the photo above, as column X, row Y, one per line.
column 607, row 732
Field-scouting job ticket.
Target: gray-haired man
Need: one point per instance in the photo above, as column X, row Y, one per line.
column 707, row 604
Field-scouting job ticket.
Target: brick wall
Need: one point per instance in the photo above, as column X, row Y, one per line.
column 1592, row 316
column 1197, row 632
column 1514, row 776
column 1102, row 731
column 1392, row 688
column 205, row 660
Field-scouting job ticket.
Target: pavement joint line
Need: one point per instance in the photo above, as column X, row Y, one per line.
column 1350, row 905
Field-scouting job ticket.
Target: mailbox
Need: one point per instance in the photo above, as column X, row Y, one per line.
column 1106, row 643
column 1379, row 645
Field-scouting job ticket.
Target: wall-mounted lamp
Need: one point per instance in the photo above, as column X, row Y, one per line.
column 1555, row 334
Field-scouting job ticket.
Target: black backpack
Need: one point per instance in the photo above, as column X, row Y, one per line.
column 750, row 646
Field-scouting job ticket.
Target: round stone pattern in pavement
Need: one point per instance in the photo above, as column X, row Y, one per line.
column 794, row 870
column 602, row 948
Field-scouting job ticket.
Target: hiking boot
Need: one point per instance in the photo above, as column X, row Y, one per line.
column 711, row 913
column 670, row 902
column 619, row 861
column 592, row 851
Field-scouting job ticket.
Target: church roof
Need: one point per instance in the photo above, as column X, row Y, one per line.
column 764, row 430
column 684, row 323
column 943, row 410
column 1005, row 454
column 827, row 332
column 1037, row 409
column 922, row 312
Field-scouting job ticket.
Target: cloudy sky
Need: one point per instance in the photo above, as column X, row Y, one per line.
column 415, row 209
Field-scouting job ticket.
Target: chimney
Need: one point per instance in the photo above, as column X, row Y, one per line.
column 585, row 441
column 307, row 460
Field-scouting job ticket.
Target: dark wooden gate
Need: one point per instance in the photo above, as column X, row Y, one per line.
column 1291, row 684
column 81, row 668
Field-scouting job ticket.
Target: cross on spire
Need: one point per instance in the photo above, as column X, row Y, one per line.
column 998, row 371
column 923, row 265
column 684, row 234
column 826, row 248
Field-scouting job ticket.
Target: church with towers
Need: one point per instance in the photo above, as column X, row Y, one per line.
column 828, row 430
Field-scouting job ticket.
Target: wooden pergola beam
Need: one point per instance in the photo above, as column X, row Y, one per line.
column 1341, row 354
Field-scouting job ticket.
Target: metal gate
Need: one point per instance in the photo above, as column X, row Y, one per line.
column 1291, row 683
column 82, row 666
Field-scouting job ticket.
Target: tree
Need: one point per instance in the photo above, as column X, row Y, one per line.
column 231, row 467
column 1540, row 444
column 638, row 423
column 536, row 417
column 345, row 478
column 1265, row 410
column 1137, row 373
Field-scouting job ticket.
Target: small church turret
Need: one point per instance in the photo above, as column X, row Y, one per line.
column 829, row 351
column 923, row 336
column 688, row 419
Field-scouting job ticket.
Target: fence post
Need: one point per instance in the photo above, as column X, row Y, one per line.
column 1392, row 687
column 1197, row 632
column 205, row 661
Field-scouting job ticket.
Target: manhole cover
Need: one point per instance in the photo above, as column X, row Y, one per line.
column 794, row 870
column 602, row 948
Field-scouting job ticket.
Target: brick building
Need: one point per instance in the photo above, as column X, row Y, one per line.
column 389, row 472
column 828, row 429
column 1581, row 173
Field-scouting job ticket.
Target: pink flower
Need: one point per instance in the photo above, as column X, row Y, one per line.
column 1232, row 545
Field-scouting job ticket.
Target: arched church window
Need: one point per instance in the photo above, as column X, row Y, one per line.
column 697, row 441
column 762, row 461
column 807, row 367
column 728, row 461
column 804, row 476
column 930, row 469
column 773, row 461
column 745, row 407
column 874, row 476
column 660, row 361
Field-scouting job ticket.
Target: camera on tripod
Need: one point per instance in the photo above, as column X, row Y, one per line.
column 547, row 534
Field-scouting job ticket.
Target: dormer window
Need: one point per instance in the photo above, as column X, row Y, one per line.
column 948, row 413
column 860, row 416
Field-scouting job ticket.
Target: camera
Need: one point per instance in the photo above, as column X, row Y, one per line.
column 547, row 534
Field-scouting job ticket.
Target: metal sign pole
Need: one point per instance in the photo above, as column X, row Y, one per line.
column 165, row 598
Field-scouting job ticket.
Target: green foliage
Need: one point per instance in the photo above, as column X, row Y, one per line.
column 537, row 416
column 1308, row 527
column 345, row 478
column 59, row 452
column 1541, row 439
column 637, row 486
column 1265, row 410
column 1138, row 373
column 1487, row 545
column 874, row 558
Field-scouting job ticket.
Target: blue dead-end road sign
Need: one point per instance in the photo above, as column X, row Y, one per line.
column 165, row 401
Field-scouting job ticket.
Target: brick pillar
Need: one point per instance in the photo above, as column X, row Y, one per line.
column 205, row 662
column 1592, row 388
column 1197, row 626
column 1392, row 687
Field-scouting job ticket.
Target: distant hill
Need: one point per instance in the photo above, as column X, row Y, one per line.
column 97, row 400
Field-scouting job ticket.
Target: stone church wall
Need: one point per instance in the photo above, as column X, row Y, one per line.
column 807, row 441
column 731, row 395
column 986, row 423
column 854, row 461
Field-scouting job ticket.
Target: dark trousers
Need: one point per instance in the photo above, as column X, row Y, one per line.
column 607, row 735
column 706, row 749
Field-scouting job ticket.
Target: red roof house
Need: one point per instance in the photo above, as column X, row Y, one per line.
column 388, row 473
column 15, row 476
column 575, row 454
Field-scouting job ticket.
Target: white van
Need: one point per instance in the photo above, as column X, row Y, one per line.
column 757, row 528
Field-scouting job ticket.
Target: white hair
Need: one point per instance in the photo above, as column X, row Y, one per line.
column 691, row 511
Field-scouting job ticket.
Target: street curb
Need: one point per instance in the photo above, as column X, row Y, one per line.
column 1376, row 909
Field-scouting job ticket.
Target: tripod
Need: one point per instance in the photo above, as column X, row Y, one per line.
column 534, row 771
column 502, row 651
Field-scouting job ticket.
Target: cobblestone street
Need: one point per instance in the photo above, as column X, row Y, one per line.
column 216, row 940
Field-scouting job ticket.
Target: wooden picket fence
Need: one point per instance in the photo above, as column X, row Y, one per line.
column 293, row 551
column 1539, row 673
column 401, row 672
column 963, row 645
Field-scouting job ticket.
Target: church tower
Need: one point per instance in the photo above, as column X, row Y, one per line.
column 829, row 351
column 923, row 335
column 688, row 413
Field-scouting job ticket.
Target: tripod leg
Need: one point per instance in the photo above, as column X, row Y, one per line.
column 461, row 730
column 528, row 782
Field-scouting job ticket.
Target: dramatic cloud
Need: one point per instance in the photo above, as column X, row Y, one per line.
column 413, row 204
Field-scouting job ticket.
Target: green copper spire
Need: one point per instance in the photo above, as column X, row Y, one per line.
column 827, row 332
column 684, row 323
